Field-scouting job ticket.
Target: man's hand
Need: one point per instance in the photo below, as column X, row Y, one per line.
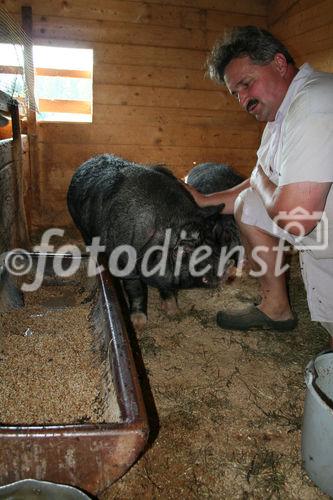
column 210, row 200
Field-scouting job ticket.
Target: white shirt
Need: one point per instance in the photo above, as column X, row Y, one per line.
column 298, row 147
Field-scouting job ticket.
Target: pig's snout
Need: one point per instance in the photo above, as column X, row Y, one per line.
column 215, row 279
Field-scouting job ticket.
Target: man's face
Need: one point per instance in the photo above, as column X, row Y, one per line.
column 259, row 89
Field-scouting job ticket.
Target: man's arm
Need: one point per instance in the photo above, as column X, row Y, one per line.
column 227, row 197
column 310, row 196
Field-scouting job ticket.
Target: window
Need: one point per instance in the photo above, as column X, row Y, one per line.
column 63, row 83
column 11, row 64
column 63, row 80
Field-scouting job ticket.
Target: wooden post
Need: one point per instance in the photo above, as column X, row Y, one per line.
column 34, row 181
column 22, row 233
column 15, row 232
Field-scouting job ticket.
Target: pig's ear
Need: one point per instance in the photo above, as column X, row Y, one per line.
column 213, row 210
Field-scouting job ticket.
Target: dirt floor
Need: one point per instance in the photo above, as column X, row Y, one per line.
column 225, row 408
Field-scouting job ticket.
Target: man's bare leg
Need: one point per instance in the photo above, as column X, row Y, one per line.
column 275, row 301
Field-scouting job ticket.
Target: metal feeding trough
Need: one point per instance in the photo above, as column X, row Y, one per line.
column 89, row 456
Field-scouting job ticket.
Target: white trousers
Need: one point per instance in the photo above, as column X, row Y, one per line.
column 317, row 273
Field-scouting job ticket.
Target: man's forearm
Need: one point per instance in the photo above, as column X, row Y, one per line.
column 227, row 197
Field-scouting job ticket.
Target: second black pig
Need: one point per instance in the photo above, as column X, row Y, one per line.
column 209, row 178
column 124, row 203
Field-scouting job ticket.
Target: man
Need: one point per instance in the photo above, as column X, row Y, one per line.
column 294, row 172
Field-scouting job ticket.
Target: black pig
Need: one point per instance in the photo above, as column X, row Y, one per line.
column 209, row 178
column 129, row 204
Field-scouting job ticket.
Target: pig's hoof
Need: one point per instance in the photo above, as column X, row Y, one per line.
column 139, row 320
column 170, row 306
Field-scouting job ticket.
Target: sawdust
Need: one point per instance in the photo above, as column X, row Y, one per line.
column 225, row 407
column 50, row 372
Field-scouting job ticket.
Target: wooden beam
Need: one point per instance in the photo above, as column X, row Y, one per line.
column 11, row 70
column 21, row 233
column 66, row 73
column 64, row 106
column 33, row 195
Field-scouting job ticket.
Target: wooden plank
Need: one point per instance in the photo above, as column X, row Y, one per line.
column 65, row 73
column 8, row 208
column 11, row 70
column 117, row 33
column 317, row 40
column 158, row 57
column 26, row 187
column 64, row 106
column 254, row 7
column 166, row 15
column 251, row 7
column 122, row 33
column 187, row 13
column 157, row 116
column 32, row 198
column 305, row 21
column 219, row 21
column 6, row 153
column 20, row 231
column 63, row 159
column 166, row 135
column 165, row 97
column 152, row 76
column 280, row 10
column 29, row 76
column 70, row 156
column 135, row 55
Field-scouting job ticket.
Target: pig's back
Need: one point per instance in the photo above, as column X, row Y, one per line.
column 120, row 200
column 212, row 177
column 109, row 177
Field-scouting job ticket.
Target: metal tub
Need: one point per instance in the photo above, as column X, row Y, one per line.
column 88, row 456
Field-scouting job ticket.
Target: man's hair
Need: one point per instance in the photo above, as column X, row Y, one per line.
column 256, row 43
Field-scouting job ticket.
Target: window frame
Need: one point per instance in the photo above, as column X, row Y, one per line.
column 61, row 106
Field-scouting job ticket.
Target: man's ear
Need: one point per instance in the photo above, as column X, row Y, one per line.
column 280, row 63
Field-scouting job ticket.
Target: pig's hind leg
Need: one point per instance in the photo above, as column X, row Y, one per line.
column 137, row 294
column 169, row 302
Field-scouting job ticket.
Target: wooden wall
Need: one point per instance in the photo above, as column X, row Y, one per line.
column 151, row 101
column 306, row 27
column 14, row 192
